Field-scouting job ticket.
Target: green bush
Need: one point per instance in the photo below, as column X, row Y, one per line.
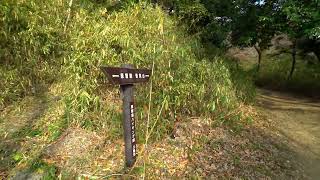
column 30, row 44
column 184, row 82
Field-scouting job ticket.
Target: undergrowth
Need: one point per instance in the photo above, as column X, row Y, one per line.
column 37, row 51
column 305, row 81
column 182, row 83
column 45, row 55
column 31, row 43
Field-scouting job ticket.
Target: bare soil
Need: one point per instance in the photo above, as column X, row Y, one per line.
column 298, row 120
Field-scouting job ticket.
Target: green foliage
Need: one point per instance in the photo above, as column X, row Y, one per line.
column 55, row 129
column 17, row 156
column 30, row 39
column 243, row 82
column 185, row 81
column 254, row 24
column 182, row 83
column 194, row 14
column 48, row 172
column 301, row 19
column 200, row 18
column 27, row 131
column 305, row 80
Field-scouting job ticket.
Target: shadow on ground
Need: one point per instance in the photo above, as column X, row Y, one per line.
column 204, row 150
column 16, row 127
column 298, row 120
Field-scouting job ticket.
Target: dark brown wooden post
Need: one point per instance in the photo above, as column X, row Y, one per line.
column 129, row 122
column 126, row 76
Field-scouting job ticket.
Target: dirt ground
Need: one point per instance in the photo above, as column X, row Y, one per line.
column 298, row 119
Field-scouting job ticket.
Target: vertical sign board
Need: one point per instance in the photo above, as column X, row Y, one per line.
column 126, row 77
column 133, row 130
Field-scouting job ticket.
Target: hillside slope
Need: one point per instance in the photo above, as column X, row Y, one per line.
column 59, row 118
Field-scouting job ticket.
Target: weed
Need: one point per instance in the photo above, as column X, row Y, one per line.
column 48, row 171
column 55, row 129
column 17, row 156
column 27, row 131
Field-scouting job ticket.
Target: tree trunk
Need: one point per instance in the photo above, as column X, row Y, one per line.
column 259, row 56
column 294, row 52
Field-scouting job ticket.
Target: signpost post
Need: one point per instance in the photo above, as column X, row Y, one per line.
column 126, row 76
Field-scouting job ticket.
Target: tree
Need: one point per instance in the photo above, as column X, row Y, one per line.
column 254, row 26
column 209, row 19
column 309, row 45
column 301, row 20
column 205, row 19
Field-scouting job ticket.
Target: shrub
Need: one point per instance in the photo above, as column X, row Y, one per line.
column 30, row 47
column 184, row 83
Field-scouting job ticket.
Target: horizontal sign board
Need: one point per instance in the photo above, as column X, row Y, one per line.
column 126, row 75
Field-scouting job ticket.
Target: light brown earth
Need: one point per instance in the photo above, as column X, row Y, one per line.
column 298, row 119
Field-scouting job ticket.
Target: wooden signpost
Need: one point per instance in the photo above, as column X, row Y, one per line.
column 126, row 76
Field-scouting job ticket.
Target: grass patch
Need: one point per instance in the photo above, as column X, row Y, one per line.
column 47, row 171
column 305, row 80
column 27, row 132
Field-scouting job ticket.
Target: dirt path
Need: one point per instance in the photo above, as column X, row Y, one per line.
column 298, row 119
